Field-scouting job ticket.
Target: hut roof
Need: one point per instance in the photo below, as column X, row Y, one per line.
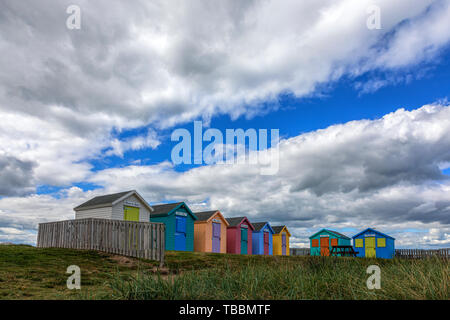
column 235, row 221
column 205, row 215
column 374, row 231
column 109, row 200
column 259, row 225
column 165, row 209
column 278, row 229
column 331, row 231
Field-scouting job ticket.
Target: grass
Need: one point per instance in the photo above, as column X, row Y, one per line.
column 31, row 273
column 28, row 272
column 237, row 277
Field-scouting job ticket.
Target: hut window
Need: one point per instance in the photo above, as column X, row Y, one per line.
column 381, row 242
column 334, row 242
column 359, row 243
column 315, row 243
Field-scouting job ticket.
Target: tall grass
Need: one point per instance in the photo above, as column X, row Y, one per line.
column 300, row 278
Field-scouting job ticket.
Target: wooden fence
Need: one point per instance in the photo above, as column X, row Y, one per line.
column 299, row 251
column 128, row 238
column 422, row 253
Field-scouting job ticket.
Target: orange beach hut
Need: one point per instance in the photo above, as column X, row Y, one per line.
column 210, row 232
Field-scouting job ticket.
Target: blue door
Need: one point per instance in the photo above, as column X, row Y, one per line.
column 180, row 233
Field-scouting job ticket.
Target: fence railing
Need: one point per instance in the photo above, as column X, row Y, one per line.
column 299, row 251
column 422, row 253
column 128, row 238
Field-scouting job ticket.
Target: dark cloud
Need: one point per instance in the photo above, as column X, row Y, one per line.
column 16, row 176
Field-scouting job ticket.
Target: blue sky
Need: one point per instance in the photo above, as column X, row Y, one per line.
column 339, row 103
column 363, row 114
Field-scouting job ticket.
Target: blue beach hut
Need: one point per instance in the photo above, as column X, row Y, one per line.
column 372, row 243
column 262, row 238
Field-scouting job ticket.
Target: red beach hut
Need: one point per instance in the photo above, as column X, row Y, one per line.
column 239, row 235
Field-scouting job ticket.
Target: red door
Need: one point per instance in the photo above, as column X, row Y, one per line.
column 325, row 246
column 266, row 243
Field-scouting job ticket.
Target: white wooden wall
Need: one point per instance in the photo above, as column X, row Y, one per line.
column 117, row 210
column 100, row 213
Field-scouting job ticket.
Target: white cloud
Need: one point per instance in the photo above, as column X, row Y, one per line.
column 381, row 173
column 150, row 140
column 63, row 92
column 132, row 64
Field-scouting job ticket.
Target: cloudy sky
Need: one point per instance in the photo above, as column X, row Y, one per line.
column 363, row 114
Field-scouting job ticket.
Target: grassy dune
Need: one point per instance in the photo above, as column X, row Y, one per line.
column 31, row 273
column 237, row 277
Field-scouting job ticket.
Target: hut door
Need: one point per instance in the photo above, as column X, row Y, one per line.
column 266, row 243
column 216, row 237
column 283, row 244
column 325, row 246
column 370, row 247
column 244, row 241
column 130, row 213
column 180, row 233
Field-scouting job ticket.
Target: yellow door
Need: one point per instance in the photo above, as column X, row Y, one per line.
column 370, row 247
column 131, row 214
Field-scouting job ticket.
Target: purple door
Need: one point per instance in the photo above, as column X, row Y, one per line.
column 216, row 237
column 283, row 244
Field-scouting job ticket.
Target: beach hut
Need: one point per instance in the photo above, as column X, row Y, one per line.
column 322, row 241
column 179, row 221
column 210, row 232
column 127, row 205
column 280, row 240
column 239, row 235
column 372, row 243
column 262, row 238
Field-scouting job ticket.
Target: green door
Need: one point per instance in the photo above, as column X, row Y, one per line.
column 370, row 247
column 244, row 240
column 130, row 214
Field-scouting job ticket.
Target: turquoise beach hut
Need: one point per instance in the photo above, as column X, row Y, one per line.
column 322, row 241
column 179, row 221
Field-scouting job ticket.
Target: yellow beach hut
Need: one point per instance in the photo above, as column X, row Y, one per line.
column 280, row 240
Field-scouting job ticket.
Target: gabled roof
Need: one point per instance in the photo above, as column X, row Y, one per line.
column 279, row 229
column 260, row 225
column 167, row 209
column 110, row 199
column 208, row 215
column 205, row 215
column 237, row 221
column 164, row 209
column 338, row 234
column 374, row 231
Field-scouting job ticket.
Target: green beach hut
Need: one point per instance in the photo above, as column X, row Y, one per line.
column 179, row 221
